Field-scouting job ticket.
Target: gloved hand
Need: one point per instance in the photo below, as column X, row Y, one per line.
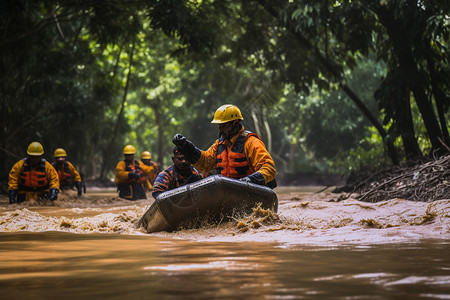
column 256, row 178
column 12, row 196
column 79, row 188
column 186, row 147
column 179, row 140
column 133, row 175
column 53, row 194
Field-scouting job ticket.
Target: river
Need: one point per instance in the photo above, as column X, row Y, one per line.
column 318, row 246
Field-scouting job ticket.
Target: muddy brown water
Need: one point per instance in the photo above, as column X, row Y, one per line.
column 319, row 248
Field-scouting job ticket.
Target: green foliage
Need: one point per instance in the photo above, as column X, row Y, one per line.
column 285, row 64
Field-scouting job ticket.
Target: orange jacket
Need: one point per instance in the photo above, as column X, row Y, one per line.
column 122, row 170
column 258, row 158
column 66, row 172
column 29, row 178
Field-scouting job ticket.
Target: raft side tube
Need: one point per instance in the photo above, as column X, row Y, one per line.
column 216, row 197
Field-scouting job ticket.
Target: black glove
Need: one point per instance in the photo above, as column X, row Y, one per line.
column 12, row 196
column 256, row 178
column 133, row 175
column 186, row 147
column 53, row 194
column 179, row 140
column 79, row 188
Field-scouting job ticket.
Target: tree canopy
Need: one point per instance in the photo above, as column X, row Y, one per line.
column 329, row 85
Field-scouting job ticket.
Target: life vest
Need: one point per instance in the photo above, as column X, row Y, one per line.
column 33, row 180
column 233, row 163
column 63, row 173
column 133, row 189
column 137, row 169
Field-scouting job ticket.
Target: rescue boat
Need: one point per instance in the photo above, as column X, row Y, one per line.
column 211, row 200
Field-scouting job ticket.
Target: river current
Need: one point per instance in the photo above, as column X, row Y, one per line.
column 318, row 246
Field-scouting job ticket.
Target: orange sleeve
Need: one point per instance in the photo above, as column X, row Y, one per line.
column 14, row 174
column 52, row 175
column 259, row 158
column 121, row 174
column 76, row 176
column 207, row 160
column 148, row 170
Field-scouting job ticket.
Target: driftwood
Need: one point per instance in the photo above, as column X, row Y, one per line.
column 425, row 181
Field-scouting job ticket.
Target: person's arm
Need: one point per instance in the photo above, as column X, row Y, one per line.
column 121, row 174
column 76, row 178
column 202, row 160
column 14, row 174
column 207, row 161
column 75, row 175
column 148, row 170
column 13, row 181
column 52, row 176
column 162, row 184
column 53, row 180
column 260, row 159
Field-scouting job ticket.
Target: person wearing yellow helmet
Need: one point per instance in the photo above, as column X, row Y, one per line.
column 33, row 177
column 146, row 159
column 131, row 175
column 67, row 174
column 238, row 153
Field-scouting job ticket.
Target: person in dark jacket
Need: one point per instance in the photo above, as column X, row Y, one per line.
column 178, row 174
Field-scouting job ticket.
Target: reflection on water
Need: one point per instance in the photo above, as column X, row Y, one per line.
column 66, row 265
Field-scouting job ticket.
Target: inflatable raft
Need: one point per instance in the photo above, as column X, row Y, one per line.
column 212, row 199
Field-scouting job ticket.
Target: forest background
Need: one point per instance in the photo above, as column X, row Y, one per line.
column 332, row 87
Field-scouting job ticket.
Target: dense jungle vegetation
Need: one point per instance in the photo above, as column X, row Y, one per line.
column 331, row 86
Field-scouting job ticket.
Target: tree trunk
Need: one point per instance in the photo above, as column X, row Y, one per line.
column 406, row 125
column 402, row 48
column 428, row 116
column 119, row 117
column 441, row 101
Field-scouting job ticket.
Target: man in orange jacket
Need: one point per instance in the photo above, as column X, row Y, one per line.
column 67, row 173
column 146, row 159
column 131, row 175
column 237, row 153
column 33, row 177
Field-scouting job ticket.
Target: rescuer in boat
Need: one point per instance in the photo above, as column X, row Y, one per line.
column 181, row 172
column 146, row 159
column 237, row 153
column 33, row 177
column 67, row 174
column 131, row 176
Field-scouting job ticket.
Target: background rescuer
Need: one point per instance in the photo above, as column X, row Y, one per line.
column 33, row 177
column 131, row 175
column 67, row 173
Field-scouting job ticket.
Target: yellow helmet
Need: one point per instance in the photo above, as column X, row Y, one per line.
column 35, row 148
column 227, row 113
column 146, row 155
column 60, row 152
column 129, row 150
